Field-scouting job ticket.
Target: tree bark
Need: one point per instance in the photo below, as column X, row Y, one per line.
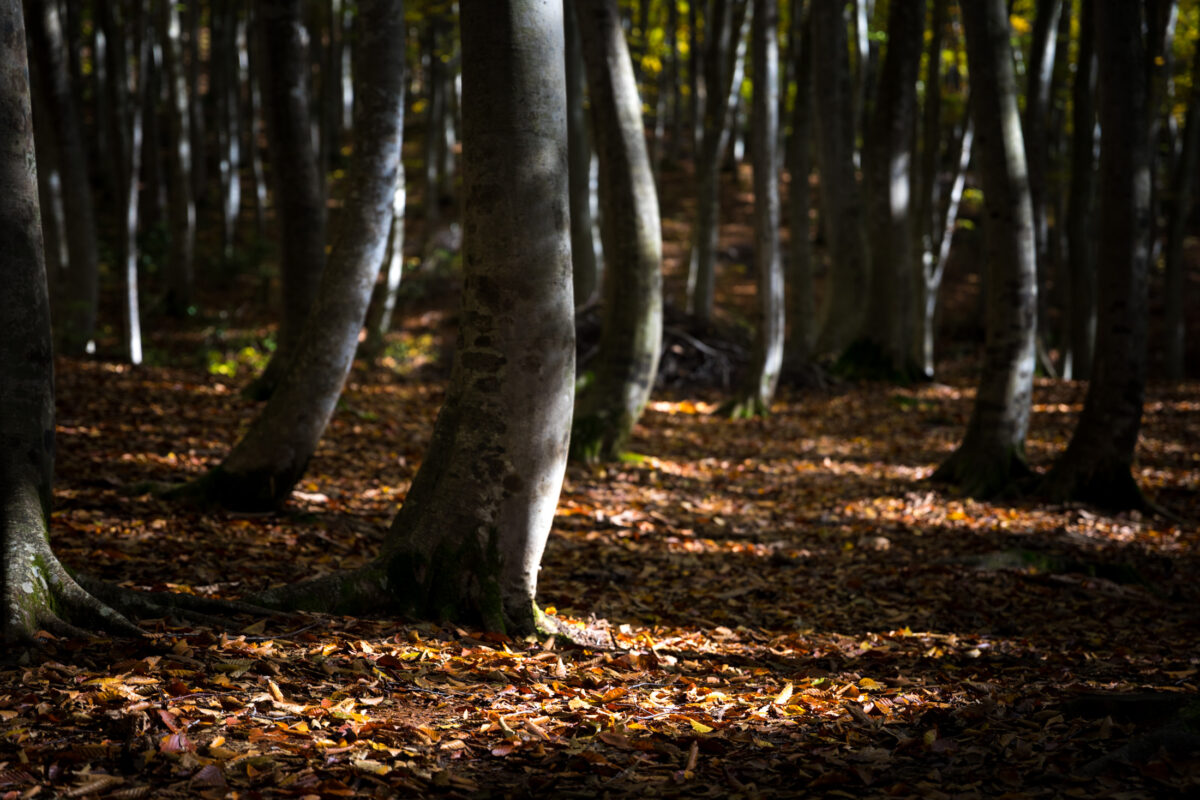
column 844, row 307
column 36, row 592
column 264, row 466
column 763, row 378
column 889, row 178
column 720, row 65
column 801, row 312
column 181, row 268
column 992, row 453
column 78, row 315
column 129, row 244
column 631, row 331
column 579, row 145
column 299, row 198
column 1081, row 200
column 1097, row 465
column 1183, row 189
column 467, row 542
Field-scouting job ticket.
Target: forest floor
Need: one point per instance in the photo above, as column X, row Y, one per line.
column 793, row 611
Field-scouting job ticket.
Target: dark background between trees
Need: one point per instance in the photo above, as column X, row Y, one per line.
column 743, row 396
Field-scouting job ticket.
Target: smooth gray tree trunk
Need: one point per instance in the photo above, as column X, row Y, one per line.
column 468, row 541
column 763, row 377
column 36, row 592
column 1182, row 194
column 631, row 329
column 77, row 315
column 844, row 306
column 226, row 22
column 132, row 322
column 1081, row 200
column 263, row 467
column 181, row 276
column 1097, row 465
column 249, row 58
column 992, row 453
column 579, row 144
column 299, row 197
column 889, row 178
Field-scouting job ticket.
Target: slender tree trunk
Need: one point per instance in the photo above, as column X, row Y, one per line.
column 1183, row 189
column 801, row 310
column 1081, row 200
column 36, row 592
column 1097, row 465
column 249, row 56
column 467, row 543
column 720, row 68
column 631, row 333
column 299, row 199
column 180, row 269
column 844, row 308
column 225, row 57
column 674, row 82
column 579, row 145
column 925, row 181
column 435, row 123
column 387, row 293
column 264, row 466
column 696, row 87
column 763, row 377
column 889, row 178
column 197, row 118
column 992, row 453
column 77, row 317
column 1039, row 89
column 50, row 196
column 129, row 244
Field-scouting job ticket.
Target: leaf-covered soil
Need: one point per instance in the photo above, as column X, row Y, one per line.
column 792, row 612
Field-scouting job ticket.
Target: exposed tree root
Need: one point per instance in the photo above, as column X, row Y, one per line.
column 1105, row 485
column 202, row 610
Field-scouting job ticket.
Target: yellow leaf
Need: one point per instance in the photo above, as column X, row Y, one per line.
column 868, row 684
column 699, row 727
column 784, row 695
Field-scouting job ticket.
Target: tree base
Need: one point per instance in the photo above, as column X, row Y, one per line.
column 984, row 474
column 867, row 360
column 1105, row 485
column 596, row 439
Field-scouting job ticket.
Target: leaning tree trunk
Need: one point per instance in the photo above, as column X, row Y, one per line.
column 579, row 145
column 763, row 377
column 1080, row 202
column 992, row 453
column 180, row 270
column 844, row 307
column 469, row 538
column 77, row 317
column 264, row 466
column 299, row 199
column 1097, row 465
column 631, row 331
column 36, row 592
column 889, row 180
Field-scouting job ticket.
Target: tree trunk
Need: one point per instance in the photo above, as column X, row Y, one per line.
column 992, row 453
column 35, row 590
column 77, row 317
column 264, row 466
column 720, row 62
column 844, row 308
column 249, row 60
column 1038, row 93
column 696, row 88
column 579, row 145
column 229, row 137
column 801, row 312
column 1080, row 231
column 1183, row 188
column 435, row 124
column 889, row 178
column 1097, row 465
column 299, row 199
column 467, row 543
column 631, row 332
column 129, row 245
column 180, row 269
column 763, row 377
column 926, row 186
column 197, row 118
